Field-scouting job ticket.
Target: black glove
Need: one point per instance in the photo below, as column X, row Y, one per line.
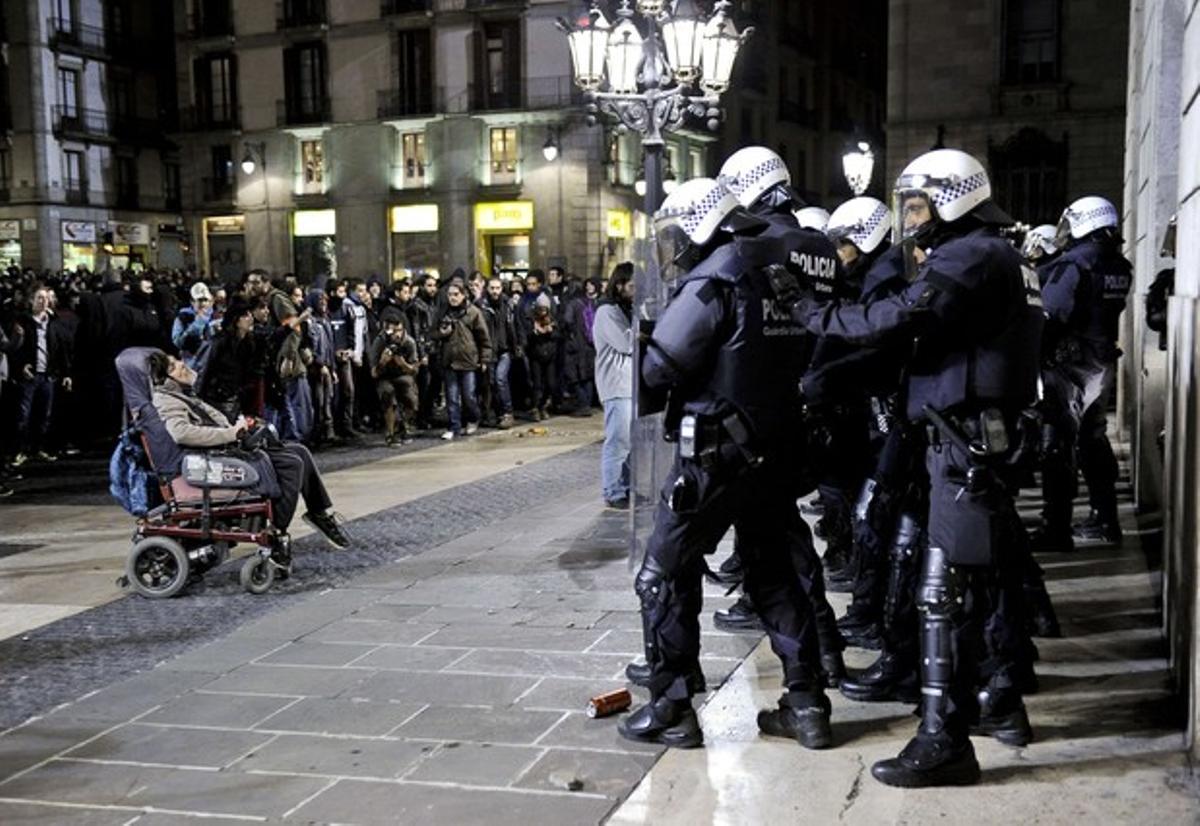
column 786, row 286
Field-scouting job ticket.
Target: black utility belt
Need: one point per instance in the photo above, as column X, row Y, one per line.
column 984, row 434
column 711, row 441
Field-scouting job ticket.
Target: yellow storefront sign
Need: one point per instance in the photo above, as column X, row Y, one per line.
column 415, row 218
column 620, row 223
column 307, row 223
column 504, row 215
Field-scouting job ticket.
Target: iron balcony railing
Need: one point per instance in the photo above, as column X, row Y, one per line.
column 300, row 111
column 209, row 118
column 390, row 7
column 295, row 14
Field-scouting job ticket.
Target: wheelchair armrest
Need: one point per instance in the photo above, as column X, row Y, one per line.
column 218, row 469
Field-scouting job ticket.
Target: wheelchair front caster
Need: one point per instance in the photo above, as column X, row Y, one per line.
column 258, row 572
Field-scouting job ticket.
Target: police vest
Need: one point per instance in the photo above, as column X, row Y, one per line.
column 1105, row 278
column 808, row 254
column 990, row 355
column 758, row 365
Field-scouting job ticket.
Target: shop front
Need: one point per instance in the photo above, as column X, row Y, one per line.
column 10, row 243
column 130, row 246
column 314, row 245
column 619, row 236
column 225, row 242
column 416, row 247
column 79, row 245
column 503, row 238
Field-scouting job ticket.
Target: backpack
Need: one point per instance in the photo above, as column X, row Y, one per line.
column 130, row 478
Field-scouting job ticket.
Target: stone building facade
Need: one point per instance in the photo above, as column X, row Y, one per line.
column 1034, row 88
column 87, row 175
column 1162, row 398
column 398, row 136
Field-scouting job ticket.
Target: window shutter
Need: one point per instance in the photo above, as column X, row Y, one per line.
column 479, row 65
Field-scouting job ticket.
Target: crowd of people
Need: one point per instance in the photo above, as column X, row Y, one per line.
column 346, row 361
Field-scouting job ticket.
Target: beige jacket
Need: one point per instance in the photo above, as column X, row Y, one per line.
column 189, row 420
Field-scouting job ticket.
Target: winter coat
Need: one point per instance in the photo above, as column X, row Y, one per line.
column 614, row 353
column 579, row 356
column 501, row 325
column 465, row 345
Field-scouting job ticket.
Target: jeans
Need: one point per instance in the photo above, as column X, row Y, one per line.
column 345, row 370
column 323, row 392
column 298, row 410
column 460, row 392
column 499, row 379
column 35, row 408
column 614, row 455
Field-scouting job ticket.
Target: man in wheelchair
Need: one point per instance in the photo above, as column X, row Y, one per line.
column 193, row 423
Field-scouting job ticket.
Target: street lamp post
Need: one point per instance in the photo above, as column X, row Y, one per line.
column 651, row 75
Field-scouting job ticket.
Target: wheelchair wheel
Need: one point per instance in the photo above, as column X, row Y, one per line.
column 257, row 574
column 157, row 567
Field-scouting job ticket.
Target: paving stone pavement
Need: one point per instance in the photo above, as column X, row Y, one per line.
column 60, row 661
column 440, row 674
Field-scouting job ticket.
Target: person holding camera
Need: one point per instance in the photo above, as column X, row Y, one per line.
column 394, row 364
column 466, row 348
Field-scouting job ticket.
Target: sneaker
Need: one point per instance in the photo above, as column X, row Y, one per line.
column 19, row 460
column 1097, row 531
column 44, row 456
column 390, row 440
column 406, row 440
column 6, row 491
column 506, row 421
column 617, row 504
column 448, row 436
column 472, row 428
column 326, row 524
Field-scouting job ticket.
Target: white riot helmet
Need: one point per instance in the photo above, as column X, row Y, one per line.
column 1039, row 242
column 952, row 185
column 690, row 217
column 863, row 222
column 1085, row 216
column 812, row 217
column 751, row 172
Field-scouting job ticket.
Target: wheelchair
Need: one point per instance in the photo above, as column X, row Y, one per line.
column 208, row 505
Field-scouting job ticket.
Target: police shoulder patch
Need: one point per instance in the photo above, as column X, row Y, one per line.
column 1033, row 290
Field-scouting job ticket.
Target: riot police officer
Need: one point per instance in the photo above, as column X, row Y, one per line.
column 730, row 355
column 977, row 322
column 1039, row 247
column 761, row 181
column 1084, row 292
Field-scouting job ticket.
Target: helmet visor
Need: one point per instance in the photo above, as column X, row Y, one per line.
column 912, row 210
column 673, row 246
column 1062, row 234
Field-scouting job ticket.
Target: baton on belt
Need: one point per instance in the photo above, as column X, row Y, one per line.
column 953, row 435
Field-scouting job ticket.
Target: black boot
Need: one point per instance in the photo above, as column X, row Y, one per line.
column 890, row 678
column 668, row 722
column 1051, row 540
column 1011, row 729
column 833, row 668
column 861, row 634
column 1098, row 528
column 930, row 760
column 803, row 717
column 740, row 616
column 730, row 572
column 1002, row 717
column 1043, row 621
column 639, row 675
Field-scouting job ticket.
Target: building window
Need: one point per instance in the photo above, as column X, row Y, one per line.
column 5, row 169
column 127, row 188
column 64, row 15
column 74, row 177
column 623, row 169
column 1031, row 41
column 414, row 90
column 216, row 90
column 213, row 17
column 170, row 177
column 304, row 84
column 412, row 153
column 504, row 155
column 312, row 166
column 497, row 66
column 68, row 92
column 674, row 163
column 120, row 93
column 1029, row 176
column 697, row 170
column 219, row 186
